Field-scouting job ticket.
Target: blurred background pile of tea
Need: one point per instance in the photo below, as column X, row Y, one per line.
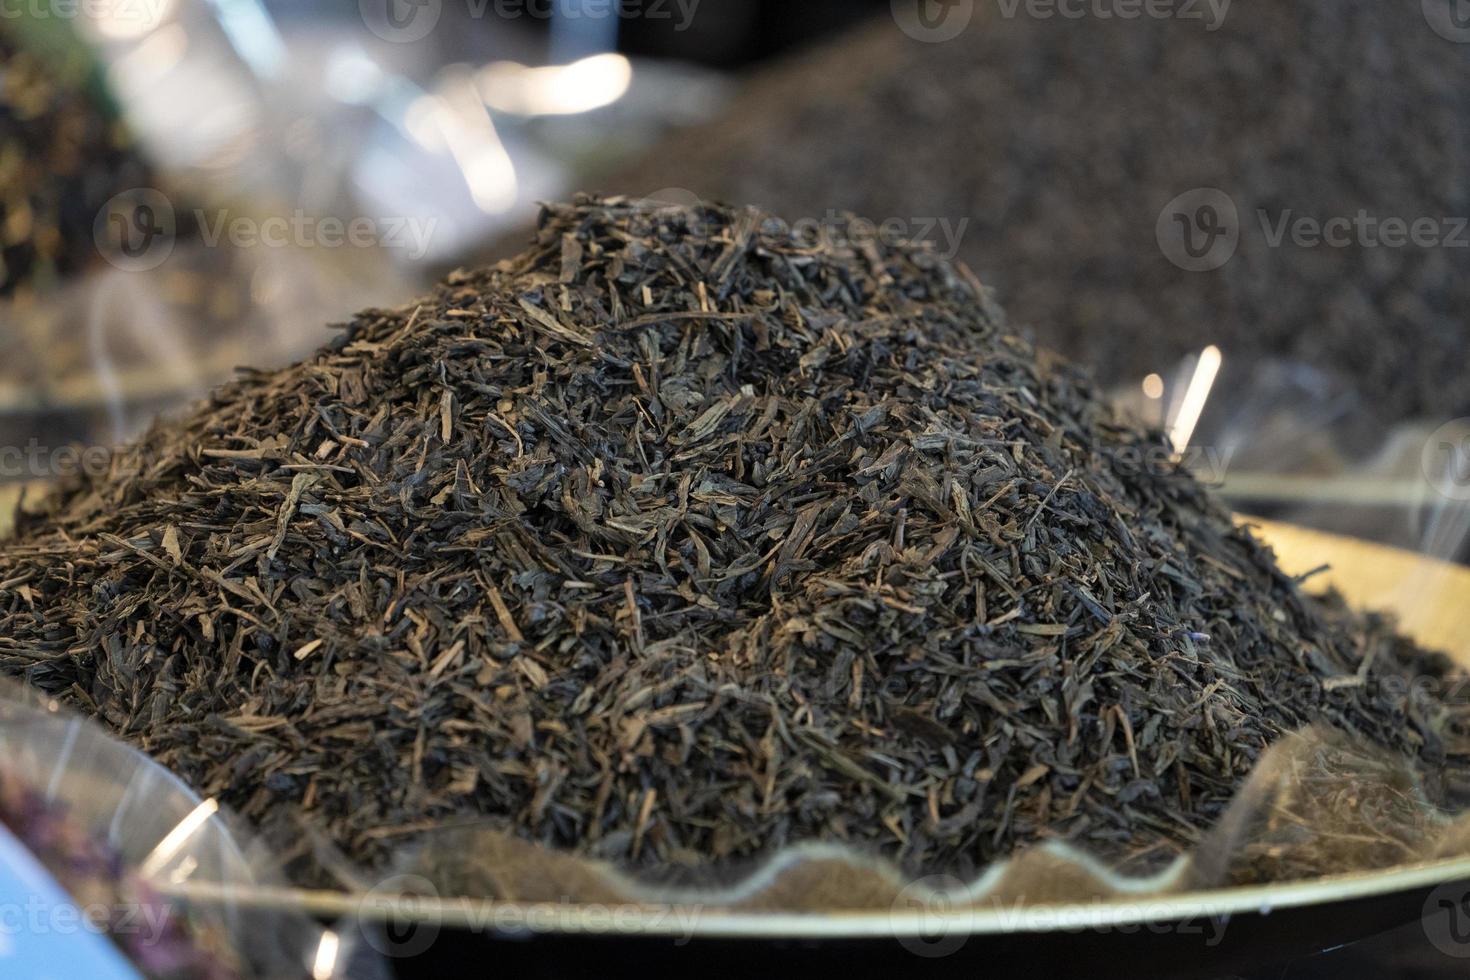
column 1251, row 222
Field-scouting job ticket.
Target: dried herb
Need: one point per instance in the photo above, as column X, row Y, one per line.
column 680, row 538
column 1061, row 140
column 62, row 156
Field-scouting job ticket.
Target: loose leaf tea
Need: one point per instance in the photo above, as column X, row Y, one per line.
column 680, row 538
column 61, row 158
column 1047, row 150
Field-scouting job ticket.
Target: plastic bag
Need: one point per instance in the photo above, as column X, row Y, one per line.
column 127, row 840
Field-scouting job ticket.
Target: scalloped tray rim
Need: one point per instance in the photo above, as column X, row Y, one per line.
column 656, row 920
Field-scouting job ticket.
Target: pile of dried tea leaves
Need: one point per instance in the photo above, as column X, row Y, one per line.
column 1048, row 149
column 678, row 539
column 61, row 158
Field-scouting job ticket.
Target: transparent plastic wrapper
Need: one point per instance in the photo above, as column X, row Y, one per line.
column 1291, row 441
column 128, row 841
column 1341, row 488
column 193, row 246
column 94, row 359
column 307, row 165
